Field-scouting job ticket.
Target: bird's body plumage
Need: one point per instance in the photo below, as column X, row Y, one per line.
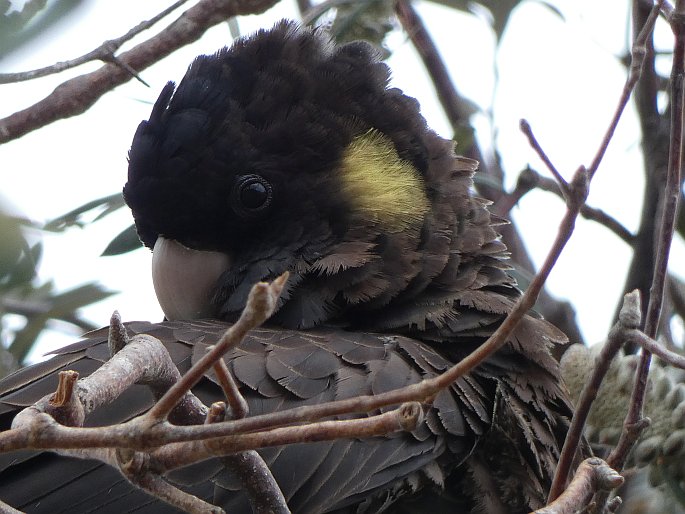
column 286, row 153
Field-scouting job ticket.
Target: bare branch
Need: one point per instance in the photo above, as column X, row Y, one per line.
column 652, row 346
column 138, row 474
column 669, row 210
column 239, row 407
column 172, row 456
column 261, row 303
column 636, row 64
column 654, row 135
column 77, row 95
column 104, row 52
column 530, row 179
column 532, row 140
column 629, row 319
column 452, row 103
column 591, row 476
column 258, row 482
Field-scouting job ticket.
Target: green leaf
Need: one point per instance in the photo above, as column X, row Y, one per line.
column 368, row 20
column 68, row 301
column 40, row 305
column 25, row 270
column 32, row 21
column 126, row 241
column 499, row 10
column 108, row 204
column 26, row 337
column 13, row 245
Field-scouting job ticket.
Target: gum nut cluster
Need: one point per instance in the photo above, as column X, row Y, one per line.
column 662, row 444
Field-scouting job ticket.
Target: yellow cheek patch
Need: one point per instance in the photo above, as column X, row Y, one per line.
column 381, row 187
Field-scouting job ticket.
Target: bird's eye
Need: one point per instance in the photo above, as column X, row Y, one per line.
column 252, row 194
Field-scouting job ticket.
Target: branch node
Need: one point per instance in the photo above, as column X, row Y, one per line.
column 410, row 415
column 532, row 140
column 579, row 188
column 65, row 388
column 630, row 315
column 606, row 478
column 216, row 413
column 614, row 504
column 117, row 337
column 63, row 405
column 238, row 404
column 118, row 62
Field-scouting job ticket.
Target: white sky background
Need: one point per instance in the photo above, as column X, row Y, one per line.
column 561, row 75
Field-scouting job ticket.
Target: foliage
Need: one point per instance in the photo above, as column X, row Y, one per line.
column 28, row 302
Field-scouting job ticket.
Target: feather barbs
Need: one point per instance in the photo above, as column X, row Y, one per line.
column 380, row 186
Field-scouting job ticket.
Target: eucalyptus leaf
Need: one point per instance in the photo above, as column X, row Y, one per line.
column 69, row 301
column 24, row 271
column 499, row 11
column 108, row 204
column 24, row 339
column 33, row 20
column 125, row 242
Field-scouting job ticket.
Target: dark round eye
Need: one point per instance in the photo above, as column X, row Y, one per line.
column 252, row 193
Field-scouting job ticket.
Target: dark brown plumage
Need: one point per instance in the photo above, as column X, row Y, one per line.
column 287, row 153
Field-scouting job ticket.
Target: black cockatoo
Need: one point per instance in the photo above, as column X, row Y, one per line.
column 285, row 152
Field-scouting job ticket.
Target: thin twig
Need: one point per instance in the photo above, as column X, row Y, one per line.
column 573, row 436
column 532, row 140
column 587, row 212
column 104, row 52
column 629, row 319
column 159, row 488
column 452, row 103
column 261, row 303
column 671, row 195
column 530, row 179
column 636, row 64
column 654, row 129
column 666, row 9
column 77, row 95
column 255, row 476
column 238, row 404
column 258, row 482
column 405, row 418
column 652, row 346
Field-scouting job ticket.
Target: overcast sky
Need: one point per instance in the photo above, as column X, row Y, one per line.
column 562, row 75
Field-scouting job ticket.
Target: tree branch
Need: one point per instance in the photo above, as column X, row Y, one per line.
column 591, row 476
column 671, row 196
column 530, row 179
column 261, row 303
column 654, row 130
column 76, row 95
column 105, row 52
column 629, row 319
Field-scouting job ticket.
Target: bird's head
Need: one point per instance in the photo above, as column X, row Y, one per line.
column 285, row 152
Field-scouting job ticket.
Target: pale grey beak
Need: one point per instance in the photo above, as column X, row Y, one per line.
column 185, row 279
